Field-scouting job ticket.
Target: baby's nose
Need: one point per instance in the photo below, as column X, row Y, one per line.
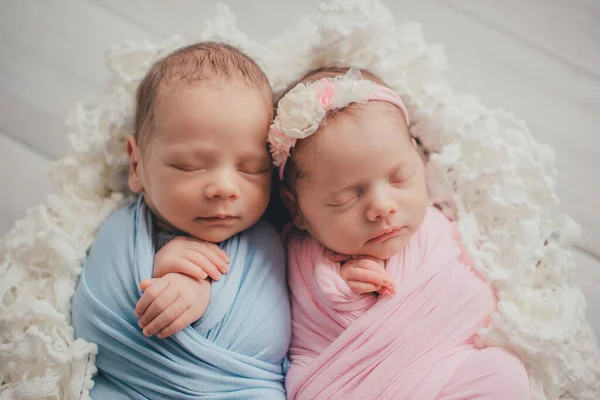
column 381, row 208
column 223, row 187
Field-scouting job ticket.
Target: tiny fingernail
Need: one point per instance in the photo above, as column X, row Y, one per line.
column 140, row 324
column 160, row 336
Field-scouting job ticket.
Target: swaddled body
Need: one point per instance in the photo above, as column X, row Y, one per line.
column 415, row 344
column 236, row 350
column 384, row 305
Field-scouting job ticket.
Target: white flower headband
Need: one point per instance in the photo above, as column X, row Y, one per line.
column 302, row 109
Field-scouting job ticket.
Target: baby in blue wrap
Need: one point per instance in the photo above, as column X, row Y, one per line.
column 199, row 161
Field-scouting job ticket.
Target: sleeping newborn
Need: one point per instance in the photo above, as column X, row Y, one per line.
column 384, row 303
column 199, row 161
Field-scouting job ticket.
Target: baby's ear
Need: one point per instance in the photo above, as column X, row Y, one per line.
column 292, row 206
column 135, row 170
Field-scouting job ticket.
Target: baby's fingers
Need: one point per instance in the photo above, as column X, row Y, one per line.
column 218, row 251
column 159, row 305
column 384, row 290
column 362, row 287
column 203, row 247
column 145, row 283
column 186, row 318
column 206, row 265
column 216, row 260
column 189, row 268
column 365, row 276
column 150, row 293
column 377, row 267
column 166, row 318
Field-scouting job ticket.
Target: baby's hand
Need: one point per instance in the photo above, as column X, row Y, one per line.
column 193, row 257
column 171, row 303
column 367, row 275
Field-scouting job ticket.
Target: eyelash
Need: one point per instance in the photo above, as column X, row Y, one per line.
column 184, row 169
column 345, row 202
column 261, row 172
column 253, row 176
column 393, row 180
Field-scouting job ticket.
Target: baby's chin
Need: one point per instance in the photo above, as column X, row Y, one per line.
column 387, row 249
column 216, row 234
column 214, row 237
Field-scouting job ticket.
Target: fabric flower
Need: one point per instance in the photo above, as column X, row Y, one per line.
column 280, row 145
column 327, row 93
column 299, row 112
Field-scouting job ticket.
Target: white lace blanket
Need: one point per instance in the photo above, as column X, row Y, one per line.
column 486, row 169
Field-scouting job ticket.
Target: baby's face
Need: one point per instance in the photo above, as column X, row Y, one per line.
column 207, row 170
column 365, row 191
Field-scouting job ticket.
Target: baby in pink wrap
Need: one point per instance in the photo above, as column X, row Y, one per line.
column 385, row 305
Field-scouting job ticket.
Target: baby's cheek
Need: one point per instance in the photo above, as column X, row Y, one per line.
column 346, row 233
column 176, row 198
column 178, row 193
column 256, row 196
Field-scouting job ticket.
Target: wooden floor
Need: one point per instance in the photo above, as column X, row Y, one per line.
column 537, row 58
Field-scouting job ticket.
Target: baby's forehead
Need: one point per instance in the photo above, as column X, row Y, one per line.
column 351, row 137
column 201, row 99
column 370, row 118
column 198, row 64
column 213, row 118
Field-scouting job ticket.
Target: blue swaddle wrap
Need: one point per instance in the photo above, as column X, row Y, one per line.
column 235, row 351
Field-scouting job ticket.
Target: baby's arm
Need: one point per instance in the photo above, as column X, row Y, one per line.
column 179, row 293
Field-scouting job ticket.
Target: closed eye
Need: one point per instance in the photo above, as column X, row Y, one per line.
column 258, row 169
column 402, row 176
column 255, row 171
column 344, row 201
column 255, row 166
column 186, row 168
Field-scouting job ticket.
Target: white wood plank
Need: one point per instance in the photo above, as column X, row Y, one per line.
column 51, row 57
column 566, row 29
column 587, row 276
column 45, row 131
column 23, row 181
column 260, row 19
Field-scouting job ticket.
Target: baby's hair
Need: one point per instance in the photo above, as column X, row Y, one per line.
column 293, row 169
column 190, row 66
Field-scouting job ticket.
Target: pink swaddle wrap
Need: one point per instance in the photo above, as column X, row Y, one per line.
column 416, row 344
